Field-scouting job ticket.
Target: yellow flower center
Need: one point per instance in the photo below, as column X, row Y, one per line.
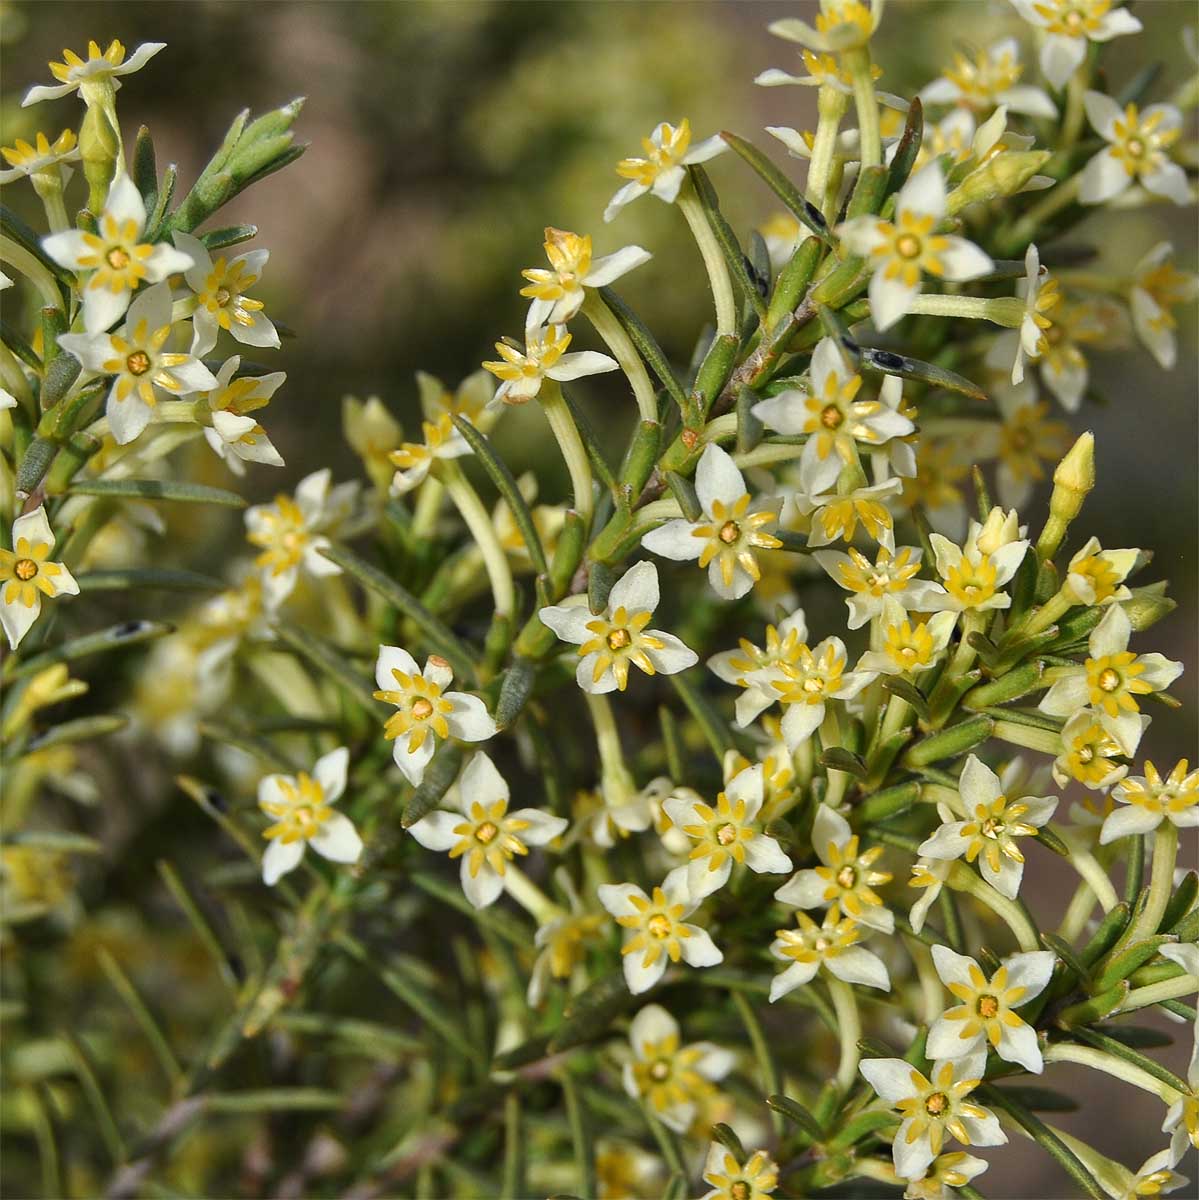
column 660, row 1070
column 726, row 834
column 1109, row 679
column 486, row 832
column 740, row 1190
column 222, row 296
column 1086, row 754
column 138, row 362
column 907, row 246
column 659, row 925
column 117, row 258
column 847, row 877
column 936, row 1104
column 25, row 569
column 618, row 639
column 988, row 1007
column 831, row 417
column 730, row 531
column 421, row 708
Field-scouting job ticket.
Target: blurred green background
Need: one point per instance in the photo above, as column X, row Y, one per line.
column 443, row 138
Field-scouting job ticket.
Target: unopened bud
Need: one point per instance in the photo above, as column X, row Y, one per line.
column 1000, row 529
column 1002, row 175
column 1148, row 605
column 99, row 146
column 1072, row 481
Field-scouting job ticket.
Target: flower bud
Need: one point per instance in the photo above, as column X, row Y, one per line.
column 51, row 686
column 1073, row 479
column 99, row 146
column 999, row 529
column 1148, row 605
column 1002, row 175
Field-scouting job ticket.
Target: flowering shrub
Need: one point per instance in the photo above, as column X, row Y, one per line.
column 766, row 923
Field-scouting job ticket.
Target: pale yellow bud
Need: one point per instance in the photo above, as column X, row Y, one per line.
column 1002, row 175
column 999, row 529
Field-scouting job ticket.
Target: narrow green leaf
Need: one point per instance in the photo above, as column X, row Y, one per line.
column 140, row 1011
column 1066, row 953
column 838, row 758
column 326, row 659
column 80, row 730
column 1119, row 1049
column 713, row 726
column 592, row 1011
column 508, row 488
column 230, row 235
column 52, row 841
column 438, row 779
column 1107, row 934
column 147, row 578
column 159, row 489
column 115, row 637
column 580, row 1133
column 778, row 183
column 908, row 149
column 515, row 689
column 1042, row 1099
column 912, row 368
column 734, row 255
column 85, row 1069
column 439, row 635
column 795, row 1112
column 728, row 1138
column 272, row 1100
column 12, row 226
column 510, row 927
column 203, row 929
column 599, row 464
column 646, row 345
column 1123, row 964
column 765, row 1059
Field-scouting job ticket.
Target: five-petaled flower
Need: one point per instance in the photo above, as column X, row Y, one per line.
column 43, row 156
column 1158, row 287
column 907, row 646
column 292, row 532
column 1136, row 151
column 115, row 257
column 831, row 945
column 811, row 679
column 656, row 929
column 903, row 251
column 221, row 301
column 726, row 832
column 1111, row 679
column 1149, row 800
column 482, row 833
column 558, row 293
column 414, row 460
column 933, row 1107
column 667, row 1075
column 845, row 880
column 975, row 573
column 987, row 1013
column 610, row 641
column 96, row 76
column 754, row 1179
column 832, row 417
column 300, row 808
column 891, row 576
column 426, row 712
column 1069, row 25
column 729, row 530
column 668, row 154
column 989, row 79
column 143, row 369
column 994, row 823
column 234, row 436
column 756, row 669
column 27, row 574
column 522, row 372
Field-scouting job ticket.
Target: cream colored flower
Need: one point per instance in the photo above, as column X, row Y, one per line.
column 426, row 712
column 987, row 1012
column 835, row 516
column 413, row 460
column 667, row 1075
column 300, row 807
column 840, row 25
column 815, row 677
column 611, row 641
column 521, row 371
column 221, row 302
column 115, row 258
column 934, row 1107
column 831, row 945
column 1149, row 800
column 1090, row 755
column 975, row 573
column 234, row 436
column 668, row 153
column 27, row 575
column 95, row 76
column 730, row 529
column 1158, row 287
column 756, row 669
column 557, row 293
column 1137, row 151
column 754, row 1179
column 988, row 79
column 1068, row 26
column 908, row 646
column 892, row 576
column 42, row 156
column 845, row 881
column 484, row 834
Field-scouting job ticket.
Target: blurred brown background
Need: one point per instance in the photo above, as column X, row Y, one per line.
column 445, row 136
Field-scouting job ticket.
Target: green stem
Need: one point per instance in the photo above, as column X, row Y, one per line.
column 1161, row 882
column 428, row 509
column 832, row 105
column 617, row 781
column 857, row 62
column 849, row 1029
column 529, row 896
column 1155, row 993
column 714, row 264
column 562, row 425
column 32, row 269
column 478, row 521
column 623, row 350
column 1012, row 913
column 1100, row 1060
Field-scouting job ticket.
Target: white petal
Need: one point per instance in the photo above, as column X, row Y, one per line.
column 674, row 540
column 641, row 978
column 541, row 827
column 568, row 621
column 279, row 858
column 952, row 968
column 615, row 897
column 861, row 235
column 799, row 722
column 611, row 267
column 481, row 782
column 1031, row 101
column 102, row 307
column 1102, row 178
column 912, row 1158
column 469, row 720
column 805, row 889
column 829, row 830
column 717, row 479
column 673, row 657
column 1103, row 113
column 585, row 676
column 92, row 350
column 435, row 830
column 796, row 975
column 1168, row 180
column 337, row 839
column 34, row 527
column 764, row 855
column 945, row 1039
column 165, row 260
column 67, row 248
column 964, row 260
column 858, row 965
column 393, row 658
column 1124, row 822
column 1060, row 57
column 194, row 376
column 707, row 149
column 699, row 950
column 127, row 418
column 946, row 843
column 784, row 413
column 330, row 772
column 1018, row 1044
column 636, row 590
column 984, row 1131
column 890, row 300
column 668, row 184
column 651, row 1024
column 18, row 619
column 1031, row 971
column 586, row 362
column 629, row 192
column 818, row 473
column 413, row 764
column 891, row 1078
column 1115, row 24
column 139, row 57
column 978, row 784
column 714, row 1062
column 483, row 888
column 1007, row 879
column 924, row 192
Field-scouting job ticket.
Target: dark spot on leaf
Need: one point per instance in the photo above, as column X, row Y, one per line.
column 217, row 800
column 887, row 360
column 130, row 629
